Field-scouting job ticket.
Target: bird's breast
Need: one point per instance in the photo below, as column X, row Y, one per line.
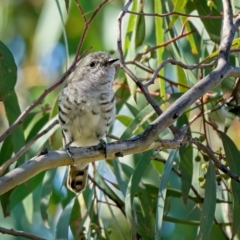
column 92, row 119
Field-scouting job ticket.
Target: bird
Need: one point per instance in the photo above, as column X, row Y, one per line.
column 86, row 110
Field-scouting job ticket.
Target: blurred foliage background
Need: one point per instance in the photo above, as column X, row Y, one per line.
column 121, row 201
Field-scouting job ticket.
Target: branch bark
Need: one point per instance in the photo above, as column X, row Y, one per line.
column 20, row 234
column 54, row 159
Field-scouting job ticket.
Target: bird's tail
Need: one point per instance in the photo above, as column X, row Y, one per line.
column 77, row 177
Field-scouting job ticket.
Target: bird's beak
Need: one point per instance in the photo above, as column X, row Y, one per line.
column 112, row 60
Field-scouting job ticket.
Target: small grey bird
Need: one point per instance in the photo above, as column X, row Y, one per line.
column 87, row 109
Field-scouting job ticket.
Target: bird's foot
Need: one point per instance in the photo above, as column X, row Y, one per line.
column 103, row 145
column 70, row 154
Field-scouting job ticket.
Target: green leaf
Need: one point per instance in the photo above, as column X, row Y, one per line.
column 29, row 120
column 159, row 31
column 133, row 109
column 178, row 53
column 130, row 27
column 8, row 72
column 178, row 7
column 162, row 193
column 128, row 170
column 229, row 120
column 132, row 187
column 109, row 191
column 148, row 221
column 5, row 198
column 46, row 194
column 37, row 126
column 125, row 120
column 138, row 173
column 63, row 222
column 186, row 165
column 235, row 45
column 152, row 191
column 145, row 222
column 118, row 171
column 6, row 150
column 233, row 159
column 138, row 122
column 191, row 40
column 141, row 28
column 209, row 204
column 67, row 4
column 213, row 26
column 23, row 190
column 13, row 111
column 76, row 220
column 182, row 79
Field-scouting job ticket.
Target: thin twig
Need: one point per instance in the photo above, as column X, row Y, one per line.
column 149, row 70
column 212, row 156
column 178, row 63
column 86, row 23
column 20, row 234
column 22, row 116
column 109, row 196
column 209, row 16
column 143, row 88
column 165, row 43
column 26, row 147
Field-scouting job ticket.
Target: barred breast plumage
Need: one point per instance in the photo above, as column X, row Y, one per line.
column 87, row 109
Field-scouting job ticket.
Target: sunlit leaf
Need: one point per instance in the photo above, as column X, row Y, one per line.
column 159, row 32
column 140, row 29
column 125, row 120
column 130, row 27
column 213, row 26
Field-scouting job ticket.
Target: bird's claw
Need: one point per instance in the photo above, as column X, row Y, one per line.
column 103, row 144
column 70, row 154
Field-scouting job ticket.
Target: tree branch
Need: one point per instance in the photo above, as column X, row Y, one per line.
column 6, row 164
column 54, row 159
column 223, row 70
column 19, row 234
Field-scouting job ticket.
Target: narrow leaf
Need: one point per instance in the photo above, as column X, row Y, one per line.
column 140, row 29
column 233, row 159
column 138, row 122
column 162, row 193
column 8, row 72
column 63, row 222
column 46, row 194
column 186, row 165
column 132, row 187
column 130, row 27
column 119, row 176
column 23, row 190
column 159, row 31
column 209, row 204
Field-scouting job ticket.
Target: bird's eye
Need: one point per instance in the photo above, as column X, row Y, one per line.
column 92, row 64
